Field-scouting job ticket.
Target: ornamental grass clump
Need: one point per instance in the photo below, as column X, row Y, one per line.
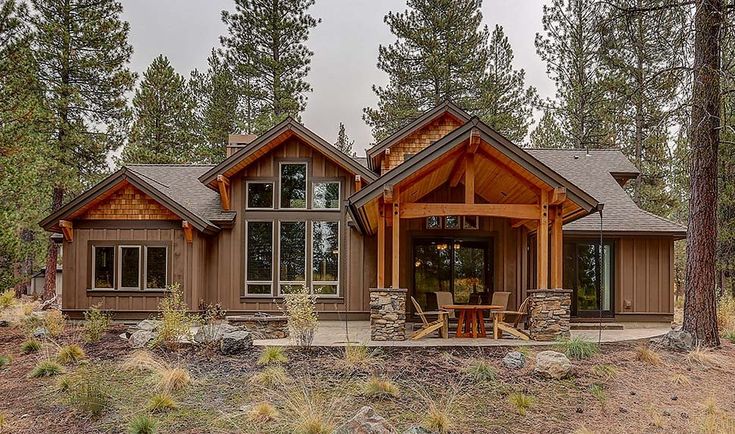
column 46, row 368
column 380, row 388
column 161, row 402
column 647, row 355
column 143, row 424
column 521, row 402
column 7, row 299
column 173, row 379
column 55, row 322
column 308, row 412
column 30, row 346
column 272, row 356
column 357, row 355
column 96, row 323
column 480, row 371
column 69, row 354
column 4, row 361
column 88, row 395
column 271, row 376
column 262, row 413
column 577, row 348
column 302, row 317
column 142, row 361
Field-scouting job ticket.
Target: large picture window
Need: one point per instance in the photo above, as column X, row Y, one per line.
column 259, row 195
column 293, row 185
column 292, row 254
column 325, row 257
column 129, row 267
column 326, row 195
column 259, row 265
column 103, row 267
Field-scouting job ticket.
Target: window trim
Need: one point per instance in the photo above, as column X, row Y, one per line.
column 94, row 266
column 339, row 261
column 429, row 228
column 145, row 268
column 278, row 280
column 306, row 185
column 456, row 228
column 316, row 181
column 119, row 267
column 247, row 194
column 245, row 267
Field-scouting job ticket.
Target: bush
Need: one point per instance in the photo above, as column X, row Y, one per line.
column 357, row 355
column 726, row 313
column 174, row 379
column 143, row 424
column 71, row 353
column 729, row 335
column 272, row 356
column 46, row 368
column 261, row 413
column 577, row 348
column 4, row 361
column 7, row 299
column 161, row 402
column 481, row 371
column 96, row 324
column 30, row 346
column 88, row 396
column 271, row 376
column 521, row 402
column 380, row 388
column 647, row 355
column 302, row 318
column 54, row 322
column 176, row 322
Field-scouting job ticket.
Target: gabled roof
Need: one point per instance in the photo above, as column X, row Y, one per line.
column 174, row 186
column 596, row 171
column 281, row 131
column 427, row 117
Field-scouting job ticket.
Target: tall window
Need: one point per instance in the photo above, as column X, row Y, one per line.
column 259, row 195
column 103, row 267
column 293, row 185
column 130, row 267
column 586, row 273
column 156, row 260
column 259, row 266
column 292, row 254
column 325, row 257
column 326, row 195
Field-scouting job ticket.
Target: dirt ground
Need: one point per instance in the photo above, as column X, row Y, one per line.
column 679, row 395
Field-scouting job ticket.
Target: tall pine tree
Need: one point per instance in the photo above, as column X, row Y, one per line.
column 162, row 130
column 83, row 52
column 343, row 142
column 440, row 54
column 266, row 45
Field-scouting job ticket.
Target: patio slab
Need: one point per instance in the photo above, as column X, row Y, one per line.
column 334, row 334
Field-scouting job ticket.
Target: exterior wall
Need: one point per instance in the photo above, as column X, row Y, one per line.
column 129, row 203
column 644, row 276
column 419, row 140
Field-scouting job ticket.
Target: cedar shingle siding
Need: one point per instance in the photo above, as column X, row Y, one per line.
column 129, row 203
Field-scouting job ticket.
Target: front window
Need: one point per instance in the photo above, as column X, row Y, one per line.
column 326, row 195
column 586, row 273
column 103, row 267
column 259, row 195
column 156, row 260
column 325, row 257
column 293, row 185
column 130, row 267
column 259, row 266
column 292, row 254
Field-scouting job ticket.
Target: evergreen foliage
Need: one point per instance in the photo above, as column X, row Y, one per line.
column 343, row 142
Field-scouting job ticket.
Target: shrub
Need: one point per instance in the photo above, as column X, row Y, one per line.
column 577, row 348
column 142, row 361
column 605, row 372
column 647, row 355
column 143, row 424
column 302, row 318
column 272, row 356
column 54, row 322
column 174, row 379
column 729, row 335
column 261, row 413
column 176, row 322
column 30, row 346
column 271, row 376
column 521, row 402
column 380, row 388
column 357, row 355
column 46, row 368
column 96, row 324
column 4, row 361
column 7, row 299
column 161, row 402
column 480, row 371
column 88, row 396
column 71, row 353
column 726, row 313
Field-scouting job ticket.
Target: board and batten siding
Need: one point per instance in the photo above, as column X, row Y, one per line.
column 644, row 275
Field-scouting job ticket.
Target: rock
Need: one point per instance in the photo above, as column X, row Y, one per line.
column 236, row 342
column 552, row 364
column 4, row 323
column 675, row 340
column 124, row 336
column 150, row 325
column 417, row 430
column 514, row 360
column 366, row 421
column 623, row 410
column 212, row 333
column 140, row 338
column 40, row 332
column 674, row 398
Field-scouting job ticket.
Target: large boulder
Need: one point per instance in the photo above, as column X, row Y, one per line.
column 236, row 342
column 675, row 340
column 209, row 333
column 552, row 364
column 366, row 421
column 514, row 360
column 40, row 333
column 150, row 325
column 141, row 338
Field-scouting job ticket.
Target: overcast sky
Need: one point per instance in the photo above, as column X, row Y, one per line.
column 345, row 46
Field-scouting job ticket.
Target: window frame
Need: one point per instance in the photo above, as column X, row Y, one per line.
column 306, row 185
column 316, row 181
column 145, row 267
column 273, row 197
column 339, row 261
column 245, row 292
column 119, row 267
column 305, row 282
column 467, row 227
column 93, row 285
column 437, row 228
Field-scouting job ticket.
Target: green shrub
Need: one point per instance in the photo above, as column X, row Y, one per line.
column 176, row 322
column 521, row 402
column 4, row 361
column 55, row 322
column 69, row 354
column 481, row 371
column 143, row 424
column 46, row 368
column 96, row 324
column 729, row 335
column 30, row 346
column 302, row 318
column 380, row 388
column 161, row 402
column 88, row 396
column 577, row 348
column 272, row 356
column 7, row 299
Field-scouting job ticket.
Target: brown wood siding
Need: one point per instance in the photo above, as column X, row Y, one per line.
column 129, row 203
column 644, row 275
column 419, row 140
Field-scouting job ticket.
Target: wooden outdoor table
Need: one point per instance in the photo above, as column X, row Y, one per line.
column 470, row 320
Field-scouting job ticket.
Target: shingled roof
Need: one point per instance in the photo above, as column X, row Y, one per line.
column 594, row 172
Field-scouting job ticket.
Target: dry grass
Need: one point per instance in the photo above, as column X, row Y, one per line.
column 173, row 379
column 161, row 402
column 441, row 411
column 680, row 379
column 716, row 421
column 606, row 372
column 701, row 357
column 358, row 355
column 95, row 324
column 69, row 354
column 647, row 355
column 726, row 313
column 272, row 356
column 54, row 322
column 7, row 299
column 309, row 413
column 142, row 361
column 262, row 413
column 380, row 388
column 271, row 376
column 521, row 402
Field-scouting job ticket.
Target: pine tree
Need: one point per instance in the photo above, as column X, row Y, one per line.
column 547, row 133
column 266, row 44
column 216, row 113
column 506, row 104
column 570, row 46
column 83, row 51
column 343, row 142
column 162, row 130
column 440, row 54
column 726, row 170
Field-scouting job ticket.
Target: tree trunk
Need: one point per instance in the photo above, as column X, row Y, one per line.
column 49, row 282
column 700, row 306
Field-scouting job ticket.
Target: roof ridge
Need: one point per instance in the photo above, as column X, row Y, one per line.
column 169, row 164
column 571, row 149
column 664, row 219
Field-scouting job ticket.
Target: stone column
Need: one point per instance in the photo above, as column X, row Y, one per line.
column 388, row 314
column 549, row 314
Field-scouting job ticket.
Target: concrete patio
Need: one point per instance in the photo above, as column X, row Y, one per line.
column 334, row 334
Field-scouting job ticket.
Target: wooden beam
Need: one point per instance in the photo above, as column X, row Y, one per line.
column 516, row 211
column 381, row 245
column 396, row 242
column 457, row 172
column 67, row 229
column 557, row 248
column 474, row 142
column 223, row 183
column 542, row 243
column 358, row 183
column 188, row 231
column 559, row 196
column 388, row 194
column 510, row 171
column 469, row 179
column 518, row 223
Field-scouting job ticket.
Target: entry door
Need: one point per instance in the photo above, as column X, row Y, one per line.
column 450, row 265
column 588, row 275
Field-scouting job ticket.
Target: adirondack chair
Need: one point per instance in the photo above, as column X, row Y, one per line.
column 500, row 298
column 428, row 327
column 444, row 298
column 508, row 320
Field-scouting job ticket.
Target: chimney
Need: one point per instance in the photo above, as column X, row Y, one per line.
column 237, row 141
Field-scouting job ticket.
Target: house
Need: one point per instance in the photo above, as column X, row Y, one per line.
column 444, row 204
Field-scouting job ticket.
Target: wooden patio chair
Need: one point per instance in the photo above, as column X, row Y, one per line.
column 508, row 320
column 428, row 327
column 500, row 298
column 444, row 298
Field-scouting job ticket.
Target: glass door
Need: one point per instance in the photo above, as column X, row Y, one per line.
column 585, row 272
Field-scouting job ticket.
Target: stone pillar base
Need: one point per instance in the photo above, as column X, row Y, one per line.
column 388, row 314
column 549, row 314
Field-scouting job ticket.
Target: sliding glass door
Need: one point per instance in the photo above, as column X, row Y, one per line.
column 589, row 274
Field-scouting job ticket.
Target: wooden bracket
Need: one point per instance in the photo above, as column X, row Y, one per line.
column 188, row 231
column 457, row 172
column 469, row 179
column 223, row 183
column 358, row 183
column 67, row 229
column 559, row 196
column 388, row 194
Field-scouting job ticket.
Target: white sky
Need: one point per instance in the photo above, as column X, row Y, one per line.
column 345, row 46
